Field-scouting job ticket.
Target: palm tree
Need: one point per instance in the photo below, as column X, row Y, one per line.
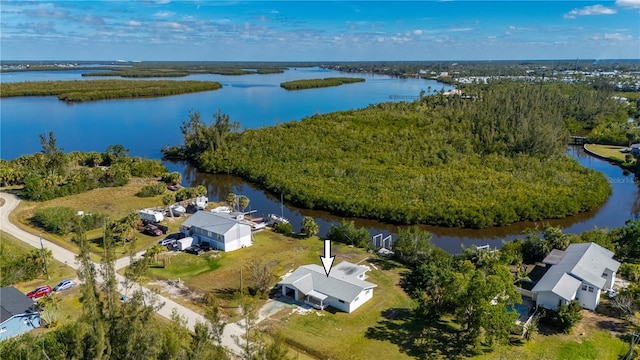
column 232, row 199
column 243, row 202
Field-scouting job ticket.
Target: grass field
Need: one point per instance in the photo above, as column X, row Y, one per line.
column 342, row 335
column 608, row 151
column 69, row 305
column 116, row 202
column 595, row 345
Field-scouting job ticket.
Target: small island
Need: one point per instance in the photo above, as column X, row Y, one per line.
column 81, row 90
column 319, row 83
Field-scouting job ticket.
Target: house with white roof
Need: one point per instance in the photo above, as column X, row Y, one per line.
column 344, row 289
column 222, row 231
column 581, row 272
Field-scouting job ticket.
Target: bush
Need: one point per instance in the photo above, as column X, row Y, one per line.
column 283, row 228
column 147, row 168
column 151, row 190
column 565, row 318
column 57, row 220
column 629, row 271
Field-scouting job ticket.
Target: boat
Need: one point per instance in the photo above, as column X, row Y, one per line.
column 275, row 219
column 222, row 209
column 201, row 202
column 177, row 210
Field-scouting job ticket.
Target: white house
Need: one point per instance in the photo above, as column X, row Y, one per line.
column 344, row 288
column 18, row 313
column 580, row 273
column 635, row 149
column 226, row 232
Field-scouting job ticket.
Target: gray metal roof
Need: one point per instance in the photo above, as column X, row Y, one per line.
column 557, row 281
column 554, row 257
column 342, row 284
column 218, row 223
column 13, row 302
column 585, row 262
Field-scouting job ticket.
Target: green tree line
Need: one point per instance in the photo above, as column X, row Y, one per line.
column 318, row 83
column 90, row 90
column 52, row 173
column 494, row 157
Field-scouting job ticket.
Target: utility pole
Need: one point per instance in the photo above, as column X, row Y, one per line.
column 44, row 258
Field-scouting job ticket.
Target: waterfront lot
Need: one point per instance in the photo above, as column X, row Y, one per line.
column 115, row 202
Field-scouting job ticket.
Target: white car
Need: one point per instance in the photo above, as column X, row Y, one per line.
column 64, row 285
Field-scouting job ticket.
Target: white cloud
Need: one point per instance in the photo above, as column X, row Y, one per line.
column 418, row 32
column 628, row 3
column 133, row 23
column 617, row 37
column 591, row 10
column 164, row 14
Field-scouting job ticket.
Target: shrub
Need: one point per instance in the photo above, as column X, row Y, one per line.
column 55, row 220
column 283, row 228
column 151, row 190
column 565, row 318
column 630, row 271
column 147, row 168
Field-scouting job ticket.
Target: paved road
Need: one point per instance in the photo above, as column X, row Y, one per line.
column 63, row 255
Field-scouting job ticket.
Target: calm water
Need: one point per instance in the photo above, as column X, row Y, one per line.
column 145, row 125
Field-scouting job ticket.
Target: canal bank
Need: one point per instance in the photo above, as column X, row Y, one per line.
column 623, row 204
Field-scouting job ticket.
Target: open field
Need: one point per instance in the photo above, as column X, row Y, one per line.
column 608, row 151
column 69, row 305
column 116, row 202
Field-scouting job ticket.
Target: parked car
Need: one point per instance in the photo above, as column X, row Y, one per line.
column 205, row 246
column 39, row 292
column 64, row 285
column 162, row 228
column 152, row 230
column 194, row 249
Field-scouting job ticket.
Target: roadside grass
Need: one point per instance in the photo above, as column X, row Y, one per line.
column 593, row 345
column 608, row 151
column 184, row 266
column 69, row 306
column 115, row 202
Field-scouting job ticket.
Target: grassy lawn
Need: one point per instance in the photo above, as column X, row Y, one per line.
column 343, row 335
column 594, row 345
column 116, row 202
column 69, row 305
column 608, row 151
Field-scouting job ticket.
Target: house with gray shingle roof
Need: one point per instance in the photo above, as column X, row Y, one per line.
column 344, row 288
column 226, row 232
column 17, row 313
column 581, row 272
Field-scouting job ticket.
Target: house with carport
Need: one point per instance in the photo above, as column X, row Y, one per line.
column 344, row 289
column 18, row 313
column 581, row 272
column 222, row 231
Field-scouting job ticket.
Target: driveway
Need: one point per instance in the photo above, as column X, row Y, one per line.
column 63, row 255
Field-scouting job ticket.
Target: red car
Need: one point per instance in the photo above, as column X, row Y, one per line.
column 39, row 292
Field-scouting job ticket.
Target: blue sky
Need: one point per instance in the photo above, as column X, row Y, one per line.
column 318, row 30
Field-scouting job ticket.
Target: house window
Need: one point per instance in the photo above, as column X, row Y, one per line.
column 590, row 288
column 219, row 237
column 604, row 275
column 209, row 234
column 584, row 287
column 3, row 329
column 341, row 301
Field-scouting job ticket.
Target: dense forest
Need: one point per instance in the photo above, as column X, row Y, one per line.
column 492, row 157
column 318, row 83
column 151, row 72
column 53, row 173
column 105, row 89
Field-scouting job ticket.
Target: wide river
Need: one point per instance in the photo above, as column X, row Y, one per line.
column 145, row 125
